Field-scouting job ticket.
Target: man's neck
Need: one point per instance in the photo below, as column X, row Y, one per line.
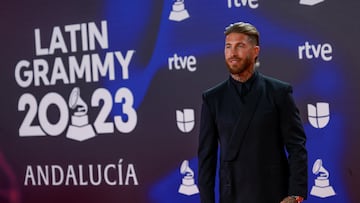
column 243, row 76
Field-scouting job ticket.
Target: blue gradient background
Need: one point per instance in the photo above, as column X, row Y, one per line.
column 156, row 145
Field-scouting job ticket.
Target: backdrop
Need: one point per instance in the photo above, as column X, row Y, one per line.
column 101, row 99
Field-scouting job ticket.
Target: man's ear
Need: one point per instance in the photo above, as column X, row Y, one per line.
column 257, row 50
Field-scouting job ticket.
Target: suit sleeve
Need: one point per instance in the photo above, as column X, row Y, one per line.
column 207, row 154
column 294, row 139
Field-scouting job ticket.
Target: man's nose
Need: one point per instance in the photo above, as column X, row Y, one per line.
column 233, row 52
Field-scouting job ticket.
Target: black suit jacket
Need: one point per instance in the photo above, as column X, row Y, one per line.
column 262, row 143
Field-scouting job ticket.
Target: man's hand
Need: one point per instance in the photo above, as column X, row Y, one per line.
column 289, row 200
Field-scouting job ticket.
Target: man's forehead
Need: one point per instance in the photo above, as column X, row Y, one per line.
column 236, row 37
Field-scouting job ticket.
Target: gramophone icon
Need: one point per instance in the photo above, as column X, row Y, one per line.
column 79, row 129
column 178, row 12
column 322, row 187
column 188, row 186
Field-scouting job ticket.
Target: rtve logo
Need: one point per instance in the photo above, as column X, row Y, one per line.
column 238, row 3
column 310, row 2
column 178, row 62
column 319, row 115
column 310, row 51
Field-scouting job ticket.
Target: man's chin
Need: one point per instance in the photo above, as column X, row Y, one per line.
column 234, row 70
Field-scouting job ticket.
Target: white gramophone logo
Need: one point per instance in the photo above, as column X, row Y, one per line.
column 322, row 187
column 79, row 129
column 310, row 2
column 319, row 115
column 188, row 186
column 178, row 13
column 185, row 120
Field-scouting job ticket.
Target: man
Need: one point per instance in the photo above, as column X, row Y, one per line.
column 253, row 119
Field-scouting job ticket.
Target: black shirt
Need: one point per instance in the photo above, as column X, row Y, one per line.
column 243, row 88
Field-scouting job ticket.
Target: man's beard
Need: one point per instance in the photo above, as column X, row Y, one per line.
column 235, row 69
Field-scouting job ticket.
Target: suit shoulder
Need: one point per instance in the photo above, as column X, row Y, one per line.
column 276, row 84
column 216, row 90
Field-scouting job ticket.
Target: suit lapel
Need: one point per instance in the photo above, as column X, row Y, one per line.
column 243, row 122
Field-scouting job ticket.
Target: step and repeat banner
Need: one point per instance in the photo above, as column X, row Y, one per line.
column 100, row 100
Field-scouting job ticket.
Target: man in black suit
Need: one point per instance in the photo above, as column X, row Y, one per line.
column 254, row 121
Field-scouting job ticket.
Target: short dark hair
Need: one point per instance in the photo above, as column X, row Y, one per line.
column 246, row 29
